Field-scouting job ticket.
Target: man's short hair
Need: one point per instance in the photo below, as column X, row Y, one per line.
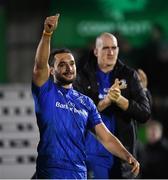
column 57, row 51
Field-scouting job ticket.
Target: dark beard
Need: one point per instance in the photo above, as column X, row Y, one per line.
column 62, row 81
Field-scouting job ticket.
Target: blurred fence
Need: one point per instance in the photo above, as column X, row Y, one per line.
column 18, row 132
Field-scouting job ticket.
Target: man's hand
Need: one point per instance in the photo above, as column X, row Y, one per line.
column 143, row 78
column 114, row 96
column 114, row 92
column 135, row 165
column 50, row 23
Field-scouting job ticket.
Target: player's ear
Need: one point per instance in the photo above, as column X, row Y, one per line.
column 95, row 52
column 52, row 72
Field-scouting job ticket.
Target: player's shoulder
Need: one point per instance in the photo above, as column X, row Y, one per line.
column 126, row 69
column 85, row 100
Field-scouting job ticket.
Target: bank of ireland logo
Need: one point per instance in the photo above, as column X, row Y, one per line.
column 71, row 105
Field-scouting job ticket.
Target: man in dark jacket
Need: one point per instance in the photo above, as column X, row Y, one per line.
column 121, row 100
column 154, row 153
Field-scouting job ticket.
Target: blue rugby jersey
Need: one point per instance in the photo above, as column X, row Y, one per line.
column 63, row 116
column 96, row 152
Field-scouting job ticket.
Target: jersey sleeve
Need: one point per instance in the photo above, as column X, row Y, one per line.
column 39, row 92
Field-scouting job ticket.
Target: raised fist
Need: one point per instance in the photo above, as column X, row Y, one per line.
column 50, row 23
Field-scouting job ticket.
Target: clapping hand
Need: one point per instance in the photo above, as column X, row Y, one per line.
column 114, row 92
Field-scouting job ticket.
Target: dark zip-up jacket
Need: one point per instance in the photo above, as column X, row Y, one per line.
column 139, row 106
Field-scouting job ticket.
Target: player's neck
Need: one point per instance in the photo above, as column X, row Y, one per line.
column 62, row 84
column 67, row 86
column 106, row 68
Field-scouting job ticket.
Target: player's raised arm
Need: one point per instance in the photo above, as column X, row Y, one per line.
column 41, row 69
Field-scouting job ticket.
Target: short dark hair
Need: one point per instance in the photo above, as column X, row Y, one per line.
column 57, row 51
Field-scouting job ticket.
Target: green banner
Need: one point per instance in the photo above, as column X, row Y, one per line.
column 82, row 20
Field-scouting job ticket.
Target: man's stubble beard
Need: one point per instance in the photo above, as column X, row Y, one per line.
column 63, row 81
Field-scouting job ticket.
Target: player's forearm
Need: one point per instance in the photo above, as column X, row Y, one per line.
column 115, row 147
column 43, row 52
